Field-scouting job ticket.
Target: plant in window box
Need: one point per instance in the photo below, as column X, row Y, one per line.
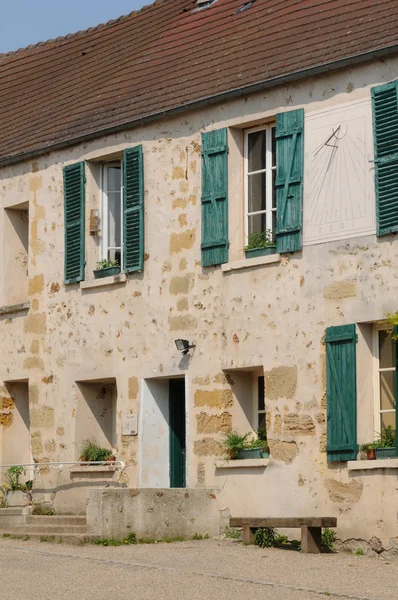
column 92, row 452
column 368, row 450
column 260, row 244
column 234, row 443
column 385, row 445
column 106, row 268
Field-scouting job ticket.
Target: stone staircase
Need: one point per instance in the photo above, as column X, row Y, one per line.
column 20, row 523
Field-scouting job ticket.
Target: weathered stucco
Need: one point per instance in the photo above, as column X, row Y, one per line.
column 267, row 319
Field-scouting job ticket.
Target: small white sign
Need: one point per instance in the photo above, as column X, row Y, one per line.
column 130, row 424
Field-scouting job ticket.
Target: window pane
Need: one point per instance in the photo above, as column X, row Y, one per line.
column 273, row 189
column 256, row 190
column 273, row 147
column 256, row 223
column 113, row 179
column 387, row 419
column 261, row 404
column 387, row 390
column 115, row 254
column 261, row 421
column 114, row 220
column 273, row 225
column 386, row 350
column 256, row 143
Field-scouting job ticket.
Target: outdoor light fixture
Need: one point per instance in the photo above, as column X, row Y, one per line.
column 184, row 346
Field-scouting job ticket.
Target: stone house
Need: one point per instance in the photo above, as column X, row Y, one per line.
column 163, row 141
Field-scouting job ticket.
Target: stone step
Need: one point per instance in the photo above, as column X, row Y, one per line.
column 48, row 529
column 10, row 512
column 68, row 538
column 56, row 520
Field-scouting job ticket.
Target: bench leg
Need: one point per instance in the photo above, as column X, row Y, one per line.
column 248, row 536
column 311, row 540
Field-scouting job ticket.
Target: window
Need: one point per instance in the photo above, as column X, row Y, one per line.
column 385, row 380
column 112, row 211
column 261, row 415
column 260, row 173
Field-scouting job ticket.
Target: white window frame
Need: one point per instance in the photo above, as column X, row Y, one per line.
column 377, row 411
column 269, row 168
column 256, row 411
column 104, row 210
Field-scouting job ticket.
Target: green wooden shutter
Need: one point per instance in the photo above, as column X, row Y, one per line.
column 215, row 197
column 289, row 180
column 341, row 393
column 385, row 130
column 133, row 210
column 74, row 210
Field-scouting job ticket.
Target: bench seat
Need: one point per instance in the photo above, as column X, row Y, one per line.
column 311, row 528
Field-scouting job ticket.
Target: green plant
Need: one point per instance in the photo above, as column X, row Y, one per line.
column 265, row 537
column 105, row 264
column 233, row 534
column 43, row 509
column 12, row 477
column 92, row 452
column 234, row 442
column 48, row 538
column 359, row 552
column 366, row 447
column 328, row 538
column 171, row 540
column 147, row 541
column 387, row 438
column 261, row 239
column 131, row 538
column 281, row 539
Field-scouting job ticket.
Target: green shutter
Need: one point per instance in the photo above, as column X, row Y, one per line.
column 74, row 210
column 289, row 180
column 215, row 197
column 133, row 210
column 385, row 130
column 341, row 393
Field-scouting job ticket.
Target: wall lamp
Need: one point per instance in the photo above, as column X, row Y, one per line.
column 184, row 346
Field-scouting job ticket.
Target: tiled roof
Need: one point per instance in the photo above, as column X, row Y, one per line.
column 167, row 56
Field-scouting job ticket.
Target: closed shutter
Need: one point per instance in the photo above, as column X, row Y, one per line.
column 385, row 129
column 74, row 211
column 341, row 393
column 133, row 210
column 396, row 388
column 289, row 180
column 214, row 197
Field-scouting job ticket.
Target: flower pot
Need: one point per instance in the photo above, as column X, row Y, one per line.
column 106, row 272
column 265, row 454
column 254, row 252
column 249, row 453
column 385, row 453
column 18, row 499
column 371, row 454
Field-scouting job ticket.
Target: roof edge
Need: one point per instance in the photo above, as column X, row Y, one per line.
column 233, row 93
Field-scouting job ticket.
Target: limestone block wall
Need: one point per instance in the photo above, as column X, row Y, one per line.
column 267, row 319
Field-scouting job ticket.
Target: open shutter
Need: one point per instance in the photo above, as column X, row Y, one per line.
column 215, row 197
column 74, row 211
column 341, row 393
column 289, row 180
column 133, row 210
column 385, row 129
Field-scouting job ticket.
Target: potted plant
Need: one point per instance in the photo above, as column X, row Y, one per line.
column 15, row 492
column 92, row 452
column 234, row 443
column 262, row 437
column 260, row 244
column 369, row 450
column 385, row 445
column 106, row 268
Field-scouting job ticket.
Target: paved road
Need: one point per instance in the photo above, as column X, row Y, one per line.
column 210, row 569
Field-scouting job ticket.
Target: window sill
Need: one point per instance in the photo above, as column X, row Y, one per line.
column 94, row 469
column 248, row 463
column 371, row 465
column 96, row 283
column 15, row 308
column 251, row 262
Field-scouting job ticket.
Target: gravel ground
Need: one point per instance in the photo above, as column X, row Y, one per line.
column 219, row 569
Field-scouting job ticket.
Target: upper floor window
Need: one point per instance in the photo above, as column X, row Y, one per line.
column 112, row 212
column 260, row 172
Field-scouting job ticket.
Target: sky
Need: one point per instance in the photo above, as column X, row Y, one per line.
column 25, row 22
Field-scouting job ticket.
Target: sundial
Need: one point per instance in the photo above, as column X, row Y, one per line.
column 338, row 187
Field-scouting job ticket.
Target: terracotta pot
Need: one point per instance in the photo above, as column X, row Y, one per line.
column 371, row 454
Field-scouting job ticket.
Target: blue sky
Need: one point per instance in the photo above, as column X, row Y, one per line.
column 24, row 22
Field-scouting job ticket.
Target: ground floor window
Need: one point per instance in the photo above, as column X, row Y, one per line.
column 385, row 380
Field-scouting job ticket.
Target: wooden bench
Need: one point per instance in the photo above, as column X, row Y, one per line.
column 311, row 529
